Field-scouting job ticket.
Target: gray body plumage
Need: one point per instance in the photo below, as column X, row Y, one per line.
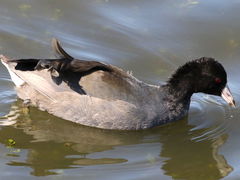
column 100, row 95
column 111, row 100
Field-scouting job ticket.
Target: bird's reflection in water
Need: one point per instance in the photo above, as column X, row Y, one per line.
column 53, row 143
column 188, row 159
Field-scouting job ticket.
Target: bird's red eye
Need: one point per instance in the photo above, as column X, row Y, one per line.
column 218, row 80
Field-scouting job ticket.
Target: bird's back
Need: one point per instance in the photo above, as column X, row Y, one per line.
column 105, row 99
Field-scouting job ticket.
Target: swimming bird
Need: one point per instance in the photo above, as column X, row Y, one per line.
column 101, row 95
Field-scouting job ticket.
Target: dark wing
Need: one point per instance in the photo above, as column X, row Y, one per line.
column 65, row 62
column 65, row 68
column 84, row 77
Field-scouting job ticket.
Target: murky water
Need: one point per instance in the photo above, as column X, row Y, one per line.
column 150, row 38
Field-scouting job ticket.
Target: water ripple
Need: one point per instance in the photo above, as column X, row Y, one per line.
column 11, row 117
column 203, row 115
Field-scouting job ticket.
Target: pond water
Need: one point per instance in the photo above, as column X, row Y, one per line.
column 149, row 38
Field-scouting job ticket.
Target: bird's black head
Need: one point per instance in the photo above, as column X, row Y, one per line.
column 204, row 75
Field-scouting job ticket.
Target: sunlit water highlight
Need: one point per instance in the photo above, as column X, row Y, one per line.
column 151, row 39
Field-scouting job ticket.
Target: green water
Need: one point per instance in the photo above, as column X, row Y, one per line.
column 150, row 38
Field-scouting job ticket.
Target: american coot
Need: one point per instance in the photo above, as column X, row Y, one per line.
column 104, row 96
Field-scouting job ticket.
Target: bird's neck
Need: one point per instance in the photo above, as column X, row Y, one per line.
column 176, row 103
column 180, row 91
column 182, row 83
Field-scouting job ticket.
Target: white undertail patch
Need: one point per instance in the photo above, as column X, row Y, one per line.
column 17, row 80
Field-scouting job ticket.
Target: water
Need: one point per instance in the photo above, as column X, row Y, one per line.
column 149, row 38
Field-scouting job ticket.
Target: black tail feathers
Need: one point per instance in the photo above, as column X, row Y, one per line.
column 65, row 63
column 60, row 52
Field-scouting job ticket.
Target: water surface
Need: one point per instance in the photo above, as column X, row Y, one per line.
column 149, row 38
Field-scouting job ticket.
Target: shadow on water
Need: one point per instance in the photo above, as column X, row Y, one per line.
column 53, row 144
